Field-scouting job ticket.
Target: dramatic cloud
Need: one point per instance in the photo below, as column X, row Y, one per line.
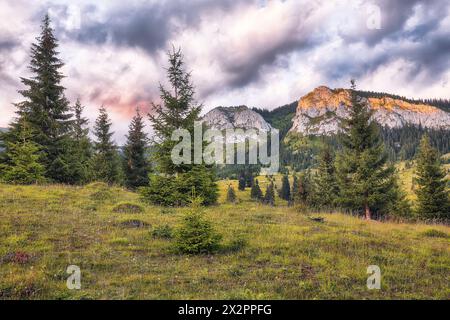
column 262, row 53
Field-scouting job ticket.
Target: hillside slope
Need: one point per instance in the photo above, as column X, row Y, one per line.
column 269, row 253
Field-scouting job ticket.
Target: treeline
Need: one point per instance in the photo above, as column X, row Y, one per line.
column 443, row 104
column 48, row 141
column 302, row 152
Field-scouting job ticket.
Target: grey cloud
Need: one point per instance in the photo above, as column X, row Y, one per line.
column 394, row 15
column 147, row 25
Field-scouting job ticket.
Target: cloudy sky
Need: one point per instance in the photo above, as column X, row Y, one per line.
column 262, row 53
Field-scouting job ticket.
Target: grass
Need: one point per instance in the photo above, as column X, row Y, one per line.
column 268, row 253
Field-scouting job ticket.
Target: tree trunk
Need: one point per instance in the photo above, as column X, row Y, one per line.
column 368, row 212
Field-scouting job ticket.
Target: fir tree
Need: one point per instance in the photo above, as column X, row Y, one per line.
column 135, row 158
column 432, row 195
column 242, row 183
column 24, row 165
column 302, row 188
column 231, row 195
column 326, row 188
column 285, row 192
column 81, row 146
column 269, row 197
column 45, row 107
column 256, row 192
column 178, row 111
column 366, row 182
column 105, row 162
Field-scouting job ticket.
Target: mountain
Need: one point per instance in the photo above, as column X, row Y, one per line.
column 280, row 118
column 222, row 118
column 319, row 112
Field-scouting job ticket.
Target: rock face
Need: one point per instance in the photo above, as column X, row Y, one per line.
column 222, row 118
column 319, row 112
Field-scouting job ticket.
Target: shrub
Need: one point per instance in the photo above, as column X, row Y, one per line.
column 163, row 232
column 196, row 234
column 127, row 207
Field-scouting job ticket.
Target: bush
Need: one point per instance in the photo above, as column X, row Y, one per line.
column 176, row 191
column 196, row 234
column 163, row 232
column 127, row 207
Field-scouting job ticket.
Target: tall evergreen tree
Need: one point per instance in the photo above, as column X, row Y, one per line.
column 135, row 157
column 256, row 192
column 81, row 147
column 45, row 106
column 325, row 183
column 432, row 194
column 105, row 162
column 24, row 165
column 285, row 192
column 366, row 182
column 180, row 111
column 302, row 188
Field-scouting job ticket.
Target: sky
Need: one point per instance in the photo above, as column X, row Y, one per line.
column 259, row 53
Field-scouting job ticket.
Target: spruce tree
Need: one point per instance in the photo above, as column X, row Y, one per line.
column 45, row 106
column 302, row 188
column 242, row 183
column 285, row 192
column 24, row 165
column 135, row 157
column 269, row 197
column 326, row 188
column 231, row 195
column 81, row 147
column 432, row 193
column 366, row 182
column 179, row 111
column 105, row 162
column 256, row 192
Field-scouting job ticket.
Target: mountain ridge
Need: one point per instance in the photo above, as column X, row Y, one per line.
column 319, row 112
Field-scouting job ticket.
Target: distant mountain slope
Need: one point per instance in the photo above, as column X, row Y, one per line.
column 281, row 117
column 241, row 117
column 319, row 112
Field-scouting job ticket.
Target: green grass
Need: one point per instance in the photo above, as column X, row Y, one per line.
column 267, row 253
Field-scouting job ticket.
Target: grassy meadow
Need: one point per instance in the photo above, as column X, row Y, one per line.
column 267, row 253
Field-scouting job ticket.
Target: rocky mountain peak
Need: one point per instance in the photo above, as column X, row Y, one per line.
column 319, row 112
column 241, row 117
